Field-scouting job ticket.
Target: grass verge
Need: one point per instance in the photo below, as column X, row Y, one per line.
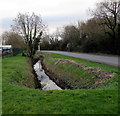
column 18, row 71
column 0, row 85
column 18, row 99
column 78, row 77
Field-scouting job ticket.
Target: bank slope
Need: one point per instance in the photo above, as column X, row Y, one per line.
column 21, row 99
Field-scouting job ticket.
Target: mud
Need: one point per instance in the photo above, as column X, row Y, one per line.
column 46, row 82
column 36, row 81
column 53, row 77
column 102, row 76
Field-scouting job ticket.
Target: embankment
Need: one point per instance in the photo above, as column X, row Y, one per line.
column 72, row 73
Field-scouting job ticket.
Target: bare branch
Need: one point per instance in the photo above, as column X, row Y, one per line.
column 29, row 26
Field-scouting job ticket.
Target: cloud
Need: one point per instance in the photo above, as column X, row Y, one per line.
column 61, row 20
column 53, row 12
column 6, row 22
column 44, row 7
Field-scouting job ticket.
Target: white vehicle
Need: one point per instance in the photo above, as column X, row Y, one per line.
column 5, row 49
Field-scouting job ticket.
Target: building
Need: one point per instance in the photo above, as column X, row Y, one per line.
column 5, row 49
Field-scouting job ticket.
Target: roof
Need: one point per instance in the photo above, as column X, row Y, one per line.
column 8, row 46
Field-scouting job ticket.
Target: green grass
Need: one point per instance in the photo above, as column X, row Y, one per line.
column 16, row 70
column 18, row 99
column 0, row 85
column 72, row 75
column 30, row 101
column 78, row 77
column 86, row 62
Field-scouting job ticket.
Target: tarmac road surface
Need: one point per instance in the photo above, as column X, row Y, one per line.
column 109, row 60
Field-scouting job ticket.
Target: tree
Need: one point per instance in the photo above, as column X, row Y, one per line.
column 118, row 35
column 71, row 36
column 4, row 37
column 45, row 42
column 31, row 28
column 89, row 33
column 108, row 12
column 12, row 38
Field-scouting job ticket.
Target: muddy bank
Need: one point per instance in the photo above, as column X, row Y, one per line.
column 54, row 77
column 102, row 76
column 45, row 81
column 36, row 81
column 90, row 78
column 50, row 74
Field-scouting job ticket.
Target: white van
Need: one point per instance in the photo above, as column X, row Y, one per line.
column 5, row 49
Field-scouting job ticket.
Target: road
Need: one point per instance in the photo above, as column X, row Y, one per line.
column 109, row 60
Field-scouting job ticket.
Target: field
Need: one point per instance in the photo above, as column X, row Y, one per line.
column 20, row 97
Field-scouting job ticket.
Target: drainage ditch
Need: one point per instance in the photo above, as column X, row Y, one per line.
column 45, row 81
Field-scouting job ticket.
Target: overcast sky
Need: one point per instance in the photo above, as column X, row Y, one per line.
column 55, row 13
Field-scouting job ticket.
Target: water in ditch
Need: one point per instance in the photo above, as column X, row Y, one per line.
column 45, row 81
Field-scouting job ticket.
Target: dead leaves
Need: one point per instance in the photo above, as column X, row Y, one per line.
column 102, row 76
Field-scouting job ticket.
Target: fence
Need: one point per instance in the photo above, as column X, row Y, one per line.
column 14, row 52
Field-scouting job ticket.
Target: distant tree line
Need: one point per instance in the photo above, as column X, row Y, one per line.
column 101, row 33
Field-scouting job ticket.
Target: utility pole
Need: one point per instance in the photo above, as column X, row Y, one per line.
column 39, row 45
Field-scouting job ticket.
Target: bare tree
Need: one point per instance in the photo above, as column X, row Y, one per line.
column 4, row 37
column 71, row 34
column 11, row 38
column 31, row 29
column 108, row 12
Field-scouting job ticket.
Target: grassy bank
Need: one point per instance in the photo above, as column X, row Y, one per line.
column 19, row 99
column 0, row 85
column 17, row 71
column 29, row 101
column 80, row 73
